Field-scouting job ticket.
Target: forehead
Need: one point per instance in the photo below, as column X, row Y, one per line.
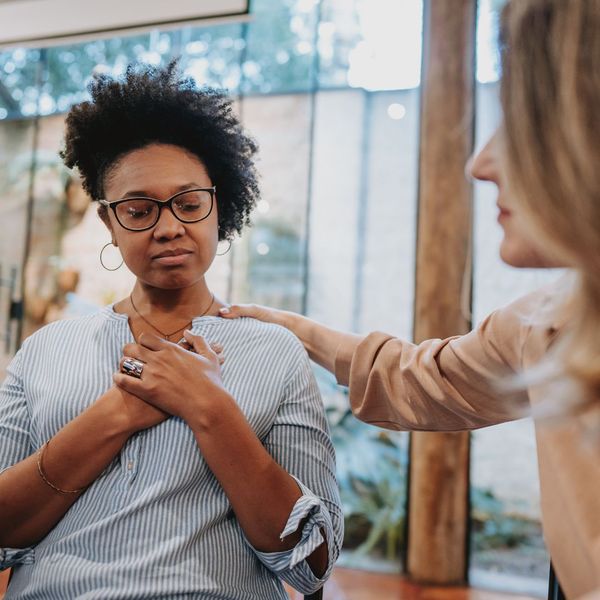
column 156, row 169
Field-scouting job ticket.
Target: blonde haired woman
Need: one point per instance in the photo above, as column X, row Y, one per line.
column 545, row 163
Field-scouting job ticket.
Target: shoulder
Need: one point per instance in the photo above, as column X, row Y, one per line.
column 539, row 309
column 266, row 333
column 59, row 332
column 268, row 342
column 524, row 328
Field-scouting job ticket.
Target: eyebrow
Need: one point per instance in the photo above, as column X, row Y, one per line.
column 181, row 188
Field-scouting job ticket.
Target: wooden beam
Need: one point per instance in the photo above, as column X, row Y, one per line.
column 439, row 469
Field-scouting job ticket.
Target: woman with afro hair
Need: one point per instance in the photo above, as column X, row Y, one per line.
column 134, row 462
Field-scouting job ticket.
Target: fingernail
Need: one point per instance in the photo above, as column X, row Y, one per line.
column 224, row 311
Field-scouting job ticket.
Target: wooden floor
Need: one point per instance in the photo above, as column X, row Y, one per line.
column 3, row 582
column 346, row 584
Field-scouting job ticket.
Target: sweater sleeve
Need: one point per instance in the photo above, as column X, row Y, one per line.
column 459, row 383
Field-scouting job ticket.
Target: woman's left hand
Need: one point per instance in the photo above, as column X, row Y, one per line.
column 178, row 381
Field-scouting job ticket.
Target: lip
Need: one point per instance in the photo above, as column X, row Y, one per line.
column 504, row 213
column 175, row 256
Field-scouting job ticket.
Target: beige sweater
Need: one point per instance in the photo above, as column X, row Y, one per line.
column 455, row 384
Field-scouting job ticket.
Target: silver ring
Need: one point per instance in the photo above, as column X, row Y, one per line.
column 132, row 367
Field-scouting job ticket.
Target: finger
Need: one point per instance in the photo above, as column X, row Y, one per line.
column 185, row 345
column 221, row 358
column 216, row 347
column 197, row 342
column 151, row 341
column 235, row 311
column 137, row 351
column 129, row 384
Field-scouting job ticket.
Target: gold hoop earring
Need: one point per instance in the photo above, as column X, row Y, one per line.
column 226, row 251
column 102, row 261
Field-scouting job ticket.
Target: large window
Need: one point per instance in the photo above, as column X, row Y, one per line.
column 334, row 233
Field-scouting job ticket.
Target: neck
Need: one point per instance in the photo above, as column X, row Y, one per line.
column 185, row 302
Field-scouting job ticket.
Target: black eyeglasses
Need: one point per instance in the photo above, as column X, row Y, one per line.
column 140, row 213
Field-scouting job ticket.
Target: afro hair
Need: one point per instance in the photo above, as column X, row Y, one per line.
column 159, row 105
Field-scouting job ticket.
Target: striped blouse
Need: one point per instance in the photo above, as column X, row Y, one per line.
column 156, row 523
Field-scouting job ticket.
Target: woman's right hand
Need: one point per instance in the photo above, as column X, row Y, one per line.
column 262, row 313
column 133, row 413
column 322, row 343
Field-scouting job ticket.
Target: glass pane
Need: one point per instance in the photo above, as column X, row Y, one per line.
column 371, row 44
column 19, row 76
column 281, row 40
column 212, row 55
column 361, row 278
column 16, row 162
column 70, row 67
column 269, row 258
column 64, row 277
column 334, row 233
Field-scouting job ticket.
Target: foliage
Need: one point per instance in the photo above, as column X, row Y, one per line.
column 239, row 57
column 495, row 527
column 371, row 470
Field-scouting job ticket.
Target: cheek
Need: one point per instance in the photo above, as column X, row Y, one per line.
column 209, row 243
column 210, row 235
column 133, row 246
column 518, row 249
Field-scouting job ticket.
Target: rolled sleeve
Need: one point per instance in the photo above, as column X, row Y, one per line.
column 453, row 384
column 11, row 557
column 300, row 442
column 291, row 564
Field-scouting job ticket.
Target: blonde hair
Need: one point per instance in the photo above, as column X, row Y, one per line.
column 550, row 94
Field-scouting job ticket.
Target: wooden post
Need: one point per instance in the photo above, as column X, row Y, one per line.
column 439, row 466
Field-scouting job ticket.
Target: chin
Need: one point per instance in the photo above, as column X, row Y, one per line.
column 171, row 281
column 522, row 256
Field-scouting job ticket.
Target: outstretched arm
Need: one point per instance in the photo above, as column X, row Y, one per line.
column 321, row 342
column 452, row 384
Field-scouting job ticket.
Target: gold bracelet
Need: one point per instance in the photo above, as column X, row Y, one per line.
column 43, row 475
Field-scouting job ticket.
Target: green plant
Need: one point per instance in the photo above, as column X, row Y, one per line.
column 495, row 528
column 371, row 470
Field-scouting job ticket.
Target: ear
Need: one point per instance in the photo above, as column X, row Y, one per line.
column 103, row 214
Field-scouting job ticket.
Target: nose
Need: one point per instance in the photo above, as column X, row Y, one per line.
column 168, row 226
column 484, row 164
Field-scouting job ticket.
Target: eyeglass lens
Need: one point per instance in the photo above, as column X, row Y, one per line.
column 141, row 213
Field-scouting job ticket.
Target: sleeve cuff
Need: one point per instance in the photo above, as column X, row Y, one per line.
column 359, row 350
column 9, row 557
column 290, row 564
column 343, row 360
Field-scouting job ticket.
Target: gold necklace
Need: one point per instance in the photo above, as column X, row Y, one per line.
column 167, row 336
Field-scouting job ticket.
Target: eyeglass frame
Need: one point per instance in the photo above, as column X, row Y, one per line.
column 161, row 204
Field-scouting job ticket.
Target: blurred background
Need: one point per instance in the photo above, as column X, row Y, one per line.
column 330, row 89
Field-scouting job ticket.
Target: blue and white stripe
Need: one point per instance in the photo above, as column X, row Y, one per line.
column 156, row 523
